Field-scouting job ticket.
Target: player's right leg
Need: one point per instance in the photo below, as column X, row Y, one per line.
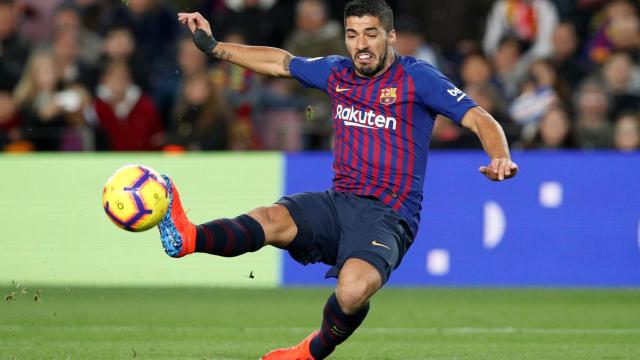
column 224, row 237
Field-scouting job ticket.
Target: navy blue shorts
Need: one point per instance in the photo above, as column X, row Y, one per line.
column 335, row 226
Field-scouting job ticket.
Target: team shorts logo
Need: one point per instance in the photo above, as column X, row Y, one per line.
column 364, row 118
column 388, row 96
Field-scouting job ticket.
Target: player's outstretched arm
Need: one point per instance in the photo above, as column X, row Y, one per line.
column 494, row 142
column 261, row 59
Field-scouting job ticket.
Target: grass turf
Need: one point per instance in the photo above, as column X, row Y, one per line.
column 198, row 323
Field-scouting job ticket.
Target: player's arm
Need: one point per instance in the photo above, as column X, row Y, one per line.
column 494, row 143
column 261, row 59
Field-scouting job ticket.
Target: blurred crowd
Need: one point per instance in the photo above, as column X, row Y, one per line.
column 87, row 75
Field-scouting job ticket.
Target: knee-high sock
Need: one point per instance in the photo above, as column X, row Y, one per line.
column 230, row 237
column 336, row 328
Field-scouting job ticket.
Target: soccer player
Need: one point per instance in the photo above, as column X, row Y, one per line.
column 384, row 106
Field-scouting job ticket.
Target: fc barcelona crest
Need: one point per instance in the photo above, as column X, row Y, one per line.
column 388, row 96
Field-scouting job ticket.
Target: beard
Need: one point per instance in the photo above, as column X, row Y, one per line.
column 369, row 70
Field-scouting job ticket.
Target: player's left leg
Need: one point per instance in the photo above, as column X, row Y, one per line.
column 249, row 232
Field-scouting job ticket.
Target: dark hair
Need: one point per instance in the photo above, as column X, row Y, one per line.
column 66, row 6
column 407, row 24
column 377, row 8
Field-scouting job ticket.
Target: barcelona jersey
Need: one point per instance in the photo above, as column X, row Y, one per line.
column 383, row 125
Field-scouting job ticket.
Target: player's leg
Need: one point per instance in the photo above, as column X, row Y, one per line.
column 347, row 307
column 373, row 244
column 343, row 313
column 271, row 225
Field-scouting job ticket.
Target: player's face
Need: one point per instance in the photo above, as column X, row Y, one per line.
column 368, row 44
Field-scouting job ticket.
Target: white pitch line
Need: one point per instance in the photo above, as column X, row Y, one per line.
column 507, row 330
column 370, row 330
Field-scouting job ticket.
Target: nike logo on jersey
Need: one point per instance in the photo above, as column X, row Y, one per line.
column 376, row 243
column 339, row 89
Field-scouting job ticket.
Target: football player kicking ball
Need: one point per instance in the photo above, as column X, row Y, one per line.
column 383, row 114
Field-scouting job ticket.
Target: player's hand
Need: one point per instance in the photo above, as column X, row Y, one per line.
column 195, row 21
column 201, row 30
column 500, row 169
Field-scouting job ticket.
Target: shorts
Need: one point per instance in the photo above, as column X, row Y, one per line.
column 336, row 226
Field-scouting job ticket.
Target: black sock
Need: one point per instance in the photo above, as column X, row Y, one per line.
column 336, row 328
column 229, row 237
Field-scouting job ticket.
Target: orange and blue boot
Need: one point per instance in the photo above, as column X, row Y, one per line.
column 177, row 233
column 298, row 352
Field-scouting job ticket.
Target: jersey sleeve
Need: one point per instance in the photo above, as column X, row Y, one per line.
column 313, row 72
column 439, row 94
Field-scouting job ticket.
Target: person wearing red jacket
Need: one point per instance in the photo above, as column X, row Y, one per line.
column 127, row 117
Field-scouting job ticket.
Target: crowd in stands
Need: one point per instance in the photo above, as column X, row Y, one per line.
column 111, row 75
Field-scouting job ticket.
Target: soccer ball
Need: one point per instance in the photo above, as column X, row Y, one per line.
column 135, row 198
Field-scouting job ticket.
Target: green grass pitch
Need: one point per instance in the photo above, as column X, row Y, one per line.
column 204, row 323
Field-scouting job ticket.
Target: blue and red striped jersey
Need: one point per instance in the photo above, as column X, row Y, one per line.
column 383, row 125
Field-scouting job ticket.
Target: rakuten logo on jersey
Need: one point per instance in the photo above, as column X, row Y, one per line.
column 366, row 119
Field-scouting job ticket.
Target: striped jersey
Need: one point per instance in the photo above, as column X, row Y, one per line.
column 382, row 125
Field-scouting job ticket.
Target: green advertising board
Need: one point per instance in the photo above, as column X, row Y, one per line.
column 55, row 232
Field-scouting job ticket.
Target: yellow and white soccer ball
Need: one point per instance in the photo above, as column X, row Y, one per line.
column 135, row 198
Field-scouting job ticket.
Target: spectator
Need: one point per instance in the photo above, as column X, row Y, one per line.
column 622, row 83
column 618, row 31
column 92, row 12
column 476, row 75
column 119, row 45
column 544, row 74
column 508, row 68
column 241, row 86
column 531, row 22
column 539, row 92
column 127, row 116
column 154, row 28
column 189, row 61
column 592, row 127
column 9, row 121
column 313, row 36
column 53, row 117
column 67, row 18
column 243, row 90
column 411, row 42
column 281, row 120
column 553, row 132
column 36, row 18
column 201, row 117
column 626, row 134
column 255, row 16
column 565, row 57
column 66, row 51
column 14, row 52
column 475, row 70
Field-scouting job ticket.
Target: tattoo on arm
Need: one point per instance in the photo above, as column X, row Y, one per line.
column 221, row 54
column 286, row 62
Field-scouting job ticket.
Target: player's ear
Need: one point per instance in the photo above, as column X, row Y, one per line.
column 391, row 37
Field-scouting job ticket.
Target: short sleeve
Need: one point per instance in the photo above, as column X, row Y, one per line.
column 313, row 72
column 439, row 94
